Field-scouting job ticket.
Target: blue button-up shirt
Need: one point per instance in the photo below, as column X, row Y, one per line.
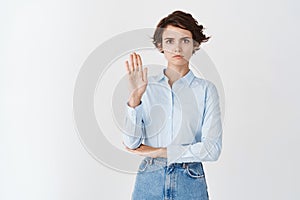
column 185, row 118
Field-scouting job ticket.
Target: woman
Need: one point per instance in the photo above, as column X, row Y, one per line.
column 173, row 118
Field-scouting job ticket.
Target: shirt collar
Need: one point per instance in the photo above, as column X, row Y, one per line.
column 188, row 78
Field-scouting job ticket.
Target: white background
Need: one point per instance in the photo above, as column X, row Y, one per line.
column 43, row 44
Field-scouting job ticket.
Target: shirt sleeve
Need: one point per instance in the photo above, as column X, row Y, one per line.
column 134, row 127
column 209, row 148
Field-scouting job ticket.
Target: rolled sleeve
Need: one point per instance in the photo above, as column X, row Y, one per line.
column 133, row 133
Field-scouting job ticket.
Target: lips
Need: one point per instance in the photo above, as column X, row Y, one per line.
column 177, row 56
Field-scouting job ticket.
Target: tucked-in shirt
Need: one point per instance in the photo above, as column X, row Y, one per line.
column 184, row 118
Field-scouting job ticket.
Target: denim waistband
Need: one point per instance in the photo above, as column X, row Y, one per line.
column 164, row 162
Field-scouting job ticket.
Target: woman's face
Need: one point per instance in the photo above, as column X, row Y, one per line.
column 177, row 45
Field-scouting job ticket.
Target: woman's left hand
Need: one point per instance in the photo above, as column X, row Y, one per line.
column 148, row 151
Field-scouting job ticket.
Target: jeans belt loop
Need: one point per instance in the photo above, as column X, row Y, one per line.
column 150, row 161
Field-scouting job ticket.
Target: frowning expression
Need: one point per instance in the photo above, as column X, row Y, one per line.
column 177, row 45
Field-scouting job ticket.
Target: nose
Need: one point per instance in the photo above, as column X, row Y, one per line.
column 177, row 47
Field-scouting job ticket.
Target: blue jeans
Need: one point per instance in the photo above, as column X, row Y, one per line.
column 156, row 180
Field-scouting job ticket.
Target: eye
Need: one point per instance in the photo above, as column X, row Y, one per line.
column 169, row 41
column 186, row 41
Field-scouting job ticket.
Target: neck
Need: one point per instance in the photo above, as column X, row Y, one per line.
column 175, row 72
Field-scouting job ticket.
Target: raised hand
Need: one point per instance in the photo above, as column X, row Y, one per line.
column 137, row 79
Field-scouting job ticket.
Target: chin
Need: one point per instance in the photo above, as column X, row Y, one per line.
column 180, row 62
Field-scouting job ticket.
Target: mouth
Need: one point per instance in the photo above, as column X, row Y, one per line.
column 178, row 56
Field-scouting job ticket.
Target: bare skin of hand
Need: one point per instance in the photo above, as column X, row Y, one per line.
column 137, row 79
column 148, row 151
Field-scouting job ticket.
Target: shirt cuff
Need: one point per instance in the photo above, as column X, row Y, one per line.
column 135, row 114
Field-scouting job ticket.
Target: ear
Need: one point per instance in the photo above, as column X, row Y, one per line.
column 159, row 47
column 196, row 47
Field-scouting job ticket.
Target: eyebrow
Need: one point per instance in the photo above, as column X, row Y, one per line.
column 180, row 38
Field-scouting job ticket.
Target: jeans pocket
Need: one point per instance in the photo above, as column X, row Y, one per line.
column 194, row 171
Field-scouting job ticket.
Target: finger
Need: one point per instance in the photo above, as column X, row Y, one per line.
column 128, row 149
column 135, row 65
column 131, row 150
column 145, row 74
column 139, row 61
column 127, row 67
column 131, row 63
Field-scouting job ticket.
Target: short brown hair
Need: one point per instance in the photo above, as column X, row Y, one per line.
column 182, row 20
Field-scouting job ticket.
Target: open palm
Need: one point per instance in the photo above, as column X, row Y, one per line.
column 137, row 77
